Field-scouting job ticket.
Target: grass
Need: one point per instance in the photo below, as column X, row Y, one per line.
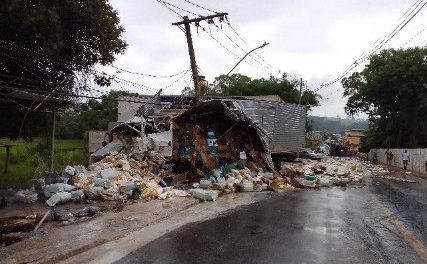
column 29, row 159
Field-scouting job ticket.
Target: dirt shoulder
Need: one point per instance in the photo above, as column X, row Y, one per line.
column 69, row 240
column 93, row 236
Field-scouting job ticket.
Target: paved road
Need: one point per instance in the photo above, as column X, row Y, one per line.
column 383, row 222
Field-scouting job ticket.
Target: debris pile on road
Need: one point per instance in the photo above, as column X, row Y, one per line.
column 134, row 175
column 325, row 173
column 125, row 176
column 244, row 181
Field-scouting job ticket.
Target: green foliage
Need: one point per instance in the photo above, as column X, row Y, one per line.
column 101, row 112
column 237, row 84
column 392, row 91
column 71, row 35
column 29, row 159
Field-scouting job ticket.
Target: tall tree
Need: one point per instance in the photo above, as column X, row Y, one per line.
column 237, row 84
column 42, row 41
column 392, row 90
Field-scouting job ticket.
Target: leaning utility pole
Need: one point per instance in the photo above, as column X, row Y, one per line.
column 186, row 22
column 300, row 91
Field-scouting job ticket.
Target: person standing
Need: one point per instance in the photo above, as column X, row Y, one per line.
column 405, row 159
column 389, row 157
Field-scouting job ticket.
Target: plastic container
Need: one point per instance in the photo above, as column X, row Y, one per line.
column 243, row 162
column 212, row 143
column 310, row 178
column 205, row 184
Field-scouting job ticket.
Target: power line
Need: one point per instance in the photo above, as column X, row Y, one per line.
column 245, row 42
column 409, row 9
column 94, row 72
column 170, row 9
column 177, row 7
column 66, row 94
column 242, row 49
column 398, row 20
column 169, row 86
column 385, row 40
column 202, row 7
column 413, row 37
column 149, row 75
column 224, row 47
column 398, row 28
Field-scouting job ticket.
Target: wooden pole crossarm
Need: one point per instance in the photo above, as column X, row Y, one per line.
column 200, row 19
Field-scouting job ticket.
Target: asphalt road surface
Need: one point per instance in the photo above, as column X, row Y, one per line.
column 382, row 222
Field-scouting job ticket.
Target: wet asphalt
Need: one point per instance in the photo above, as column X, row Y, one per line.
column 369, row 224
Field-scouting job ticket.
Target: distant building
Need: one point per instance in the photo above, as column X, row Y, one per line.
column 353, row 138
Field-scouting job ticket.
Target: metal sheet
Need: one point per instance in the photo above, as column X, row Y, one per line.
column 289, row 128
column 280, row 126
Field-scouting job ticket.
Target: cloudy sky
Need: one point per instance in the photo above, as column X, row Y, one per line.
column 311, row 39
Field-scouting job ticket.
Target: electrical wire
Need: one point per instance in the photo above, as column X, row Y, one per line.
column 413, row 37
column 398, row 20
column 202, row 7
column 245, row 42
column 68, row 94
column 169, row 86
column 150, row 75
column 170, row 9
column 242, row 49
column 385, row 40
column 224, row 47
column 411, row 15
column 94, row 72
column 177, row 7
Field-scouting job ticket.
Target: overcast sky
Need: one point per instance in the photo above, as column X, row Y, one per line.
column 310, row 39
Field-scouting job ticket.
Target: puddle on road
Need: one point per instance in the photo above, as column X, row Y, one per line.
column 323, row 230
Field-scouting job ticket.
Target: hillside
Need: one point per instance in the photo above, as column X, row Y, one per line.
column 335, row 125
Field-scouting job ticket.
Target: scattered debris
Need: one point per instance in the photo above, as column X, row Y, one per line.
column 204, row 195
column 396, row 179
column 27, row 196
column 59, row 197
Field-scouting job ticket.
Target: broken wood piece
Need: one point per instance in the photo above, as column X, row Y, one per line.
column 42, row 220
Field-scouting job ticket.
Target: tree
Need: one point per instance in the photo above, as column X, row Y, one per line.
column 237, row 84
column 100, row 113
column 392, row 90
column 42, row 41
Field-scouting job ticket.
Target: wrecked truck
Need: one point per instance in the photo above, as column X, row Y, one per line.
column 266, row 131
column 263, row 131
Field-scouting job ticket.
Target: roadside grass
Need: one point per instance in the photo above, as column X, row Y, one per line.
column 29, row 159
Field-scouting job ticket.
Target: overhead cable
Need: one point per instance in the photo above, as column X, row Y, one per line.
column 418, row 7
column 202, row 7
column 177, row 7
column 149, row 75
column 170, row 9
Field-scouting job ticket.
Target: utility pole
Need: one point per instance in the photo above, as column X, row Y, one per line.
column 186, row 22
column 52, row 143
column 299, row 102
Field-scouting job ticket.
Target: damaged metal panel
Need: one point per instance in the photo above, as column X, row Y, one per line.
column 153, row 106
column 259, row 113
column 289, row 128
column 280, row 126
